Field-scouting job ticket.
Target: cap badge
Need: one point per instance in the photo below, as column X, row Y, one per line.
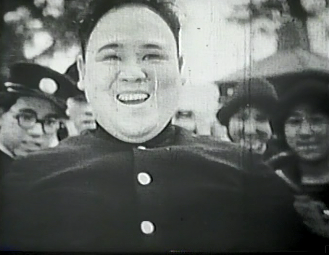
column 48, row 86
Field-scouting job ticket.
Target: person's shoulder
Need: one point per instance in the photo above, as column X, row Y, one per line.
column 188, row 138
column 224, row 152
column 66, row 146
column 50, row 160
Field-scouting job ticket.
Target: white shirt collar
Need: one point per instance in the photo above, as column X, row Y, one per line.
column 6, row 151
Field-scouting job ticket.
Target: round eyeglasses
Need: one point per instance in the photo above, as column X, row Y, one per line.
column 27, row 121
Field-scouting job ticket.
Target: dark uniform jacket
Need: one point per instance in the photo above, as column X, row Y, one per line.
column 5, row 162
column 288, row 165
column 87, row 194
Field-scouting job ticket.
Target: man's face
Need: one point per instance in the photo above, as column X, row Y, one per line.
column 21, row 141
column 306, row 131
column 131, row 73
column 81, row 114
column 251, row 129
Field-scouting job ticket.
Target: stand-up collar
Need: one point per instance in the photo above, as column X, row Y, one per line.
column 166, row 137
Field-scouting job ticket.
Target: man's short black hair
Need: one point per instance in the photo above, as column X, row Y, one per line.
column 98, row 8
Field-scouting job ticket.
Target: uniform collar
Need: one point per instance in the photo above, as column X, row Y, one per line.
column 6, row 151
column 166, row 137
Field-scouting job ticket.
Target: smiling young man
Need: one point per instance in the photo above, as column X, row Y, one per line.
column 32, row 106
column 137, row 183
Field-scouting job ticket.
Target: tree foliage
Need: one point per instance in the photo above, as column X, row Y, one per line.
column 287, row 19
column 265, row 16
column 37, row 28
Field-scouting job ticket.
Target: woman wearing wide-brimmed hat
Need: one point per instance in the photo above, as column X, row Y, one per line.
column 247, row 116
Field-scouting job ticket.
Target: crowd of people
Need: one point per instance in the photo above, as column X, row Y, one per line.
column 91, row 161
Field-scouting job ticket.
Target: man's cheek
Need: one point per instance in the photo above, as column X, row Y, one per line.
column 266, row 129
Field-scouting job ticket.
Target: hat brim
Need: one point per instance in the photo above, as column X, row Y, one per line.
column 58, row 103
column 267, row 104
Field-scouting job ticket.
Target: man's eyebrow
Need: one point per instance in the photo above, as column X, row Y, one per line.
column 152, row 46
column 294, row 115
column 88, row 113
column 110, row 46
column 27, row 110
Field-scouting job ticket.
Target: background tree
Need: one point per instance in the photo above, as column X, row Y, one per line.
column 290, row 20
column 35, row 30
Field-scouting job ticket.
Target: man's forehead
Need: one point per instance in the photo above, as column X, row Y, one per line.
column 136, row 22
column 38, row 105
column 140, row 12
column 249, row 110
column 306, row 109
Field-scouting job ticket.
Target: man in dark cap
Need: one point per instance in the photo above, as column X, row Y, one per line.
column 78, row 109
column 248, row 115
column 138, row 183
column 32, row 104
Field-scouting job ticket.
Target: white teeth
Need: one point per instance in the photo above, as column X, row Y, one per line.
column 132, row 97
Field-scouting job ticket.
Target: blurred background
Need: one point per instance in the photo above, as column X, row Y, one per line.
column 221, row 40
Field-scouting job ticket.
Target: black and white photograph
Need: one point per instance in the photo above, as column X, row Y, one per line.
column 164, row 126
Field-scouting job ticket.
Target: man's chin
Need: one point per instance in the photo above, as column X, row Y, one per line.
column 20, row 153
column 24, row 152
column 312, row 157
column 138, row 135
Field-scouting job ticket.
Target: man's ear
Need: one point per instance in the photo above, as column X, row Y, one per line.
column 81, row 71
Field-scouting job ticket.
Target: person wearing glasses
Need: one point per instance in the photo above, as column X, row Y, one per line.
column 303, row 125
column 32, row 104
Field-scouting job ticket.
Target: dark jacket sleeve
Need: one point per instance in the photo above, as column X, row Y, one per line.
column 272, row 200
column 28, row 205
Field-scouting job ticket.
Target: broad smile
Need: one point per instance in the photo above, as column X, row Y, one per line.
column 257, row 145
column 132, row 98
column 307, row 147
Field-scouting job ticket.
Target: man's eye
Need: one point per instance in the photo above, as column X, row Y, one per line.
column 153, row 57
column 51, row 122
column 317, row 120
column 26, row 117
column 261, row 118
column 294, row 121
column 111, row 58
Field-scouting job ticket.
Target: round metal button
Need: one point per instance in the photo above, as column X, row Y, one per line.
column 141, row 147
column 147, row 227
column 144, row 178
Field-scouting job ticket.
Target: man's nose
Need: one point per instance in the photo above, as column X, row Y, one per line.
column 305, row 129
column 249, row 128
column 132, row 73
column 36, row 130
